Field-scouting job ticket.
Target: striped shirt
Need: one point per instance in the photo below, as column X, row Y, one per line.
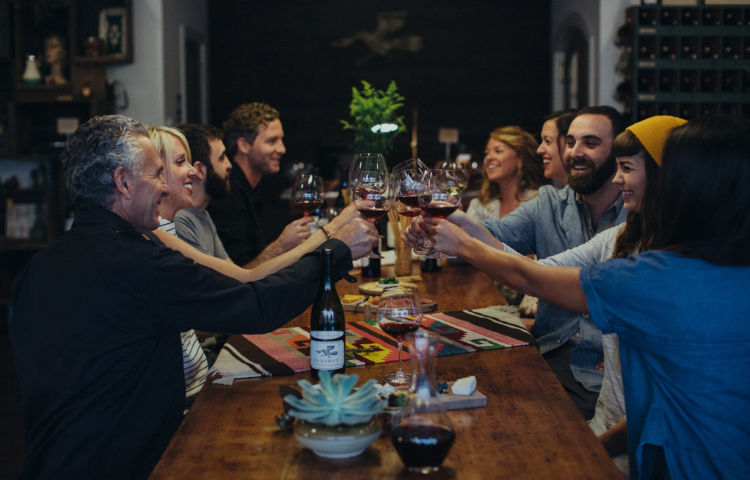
column 194, row 360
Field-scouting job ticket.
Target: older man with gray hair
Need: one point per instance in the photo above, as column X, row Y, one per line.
column 97, row 315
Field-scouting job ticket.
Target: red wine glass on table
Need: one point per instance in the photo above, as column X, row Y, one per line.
column 440, row 198
column 399, row 312
column 307, row 193
column 373, row 195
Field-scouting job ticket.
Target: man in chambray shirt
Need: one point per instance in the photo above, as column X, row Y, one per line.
column 555, row 221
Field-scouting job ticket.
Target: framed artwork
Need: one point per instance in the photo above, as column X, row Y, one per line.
column 113, row 28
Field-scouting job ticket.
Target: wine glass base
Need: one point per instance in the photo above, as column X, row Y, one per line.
column 423, row 470
column 398, row 380
column 437, row 255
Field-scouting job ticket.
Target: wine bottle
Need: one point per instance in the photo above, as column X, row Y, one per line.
column 430, row 265
column 371, row 266
column 327, row 325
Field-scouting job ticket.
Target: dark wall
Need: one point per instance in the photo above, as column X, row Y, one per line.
column 483, row 65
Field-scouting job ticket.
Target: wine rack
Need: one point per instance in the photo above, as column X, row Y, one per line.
column 688, row 61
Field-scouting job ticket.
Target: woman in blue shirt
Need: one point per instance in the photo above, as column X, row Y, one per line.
column 679, row 308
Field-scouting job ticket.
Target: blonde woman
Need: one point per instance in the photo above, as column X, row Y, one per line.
column 512, row 174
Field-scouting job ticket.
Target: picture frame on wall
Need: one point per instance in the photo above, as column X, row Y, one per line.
column 113, row 28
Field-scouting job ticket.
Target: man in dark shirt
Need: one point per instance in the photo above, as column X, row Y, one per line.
column 253, row 136
column 97, row 315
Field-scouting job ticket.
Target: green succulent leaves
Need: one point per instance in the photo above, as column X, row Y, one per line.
column 334, row 403
column 373, row 107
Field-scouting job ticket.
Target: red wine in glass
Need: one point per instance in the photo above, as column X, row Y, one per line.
column 373, row 213
column 409, row 213
column 439, row 210
column 308, row 206
column 409, row 200
column 422, row 446
column 398, row 329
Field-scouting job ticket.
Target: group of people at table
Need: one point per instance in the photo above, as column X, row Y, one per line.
column 642, row 272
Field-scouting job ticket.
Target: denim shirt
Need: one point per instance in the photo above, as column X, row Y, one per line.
column 547, row 225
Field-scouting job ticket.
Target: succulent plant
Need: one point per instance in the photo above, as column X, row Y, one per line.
column 333, row 403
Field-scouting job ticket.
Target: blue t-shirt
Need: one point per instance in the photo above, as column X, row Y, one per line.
column 685, row 350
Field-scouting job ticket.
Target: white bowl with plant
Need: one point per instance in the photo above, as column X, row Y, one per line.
column 333, row 419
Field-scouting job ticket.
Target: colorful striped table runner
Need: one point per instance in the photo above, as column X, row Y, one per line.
column 286, row 351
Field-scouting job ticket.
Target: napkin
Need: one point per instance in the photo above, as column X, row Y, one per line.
column 231, row 364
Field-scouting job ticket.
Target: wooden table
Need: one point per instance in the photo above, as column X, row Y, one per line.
column 529, row 429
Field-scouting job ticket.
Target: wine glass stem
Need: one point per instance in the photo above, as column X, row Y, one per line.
column 400, row 372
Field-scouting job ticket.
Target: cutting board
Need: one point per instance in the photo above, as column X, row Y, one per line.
column 456, row 402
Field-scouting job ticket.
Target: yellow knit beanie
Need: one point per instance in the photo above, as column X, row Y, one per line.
column 652, row 133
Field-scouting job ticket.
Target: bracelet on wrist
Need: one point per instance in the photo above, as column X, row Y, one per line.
column 325, row 230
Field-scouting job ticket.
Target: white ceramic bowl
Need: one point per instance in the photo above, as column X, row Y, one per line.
column 342, row 441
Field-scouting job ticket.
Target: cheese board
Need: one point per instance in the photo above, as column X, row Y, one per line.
column 356, row 303
column 375, row 288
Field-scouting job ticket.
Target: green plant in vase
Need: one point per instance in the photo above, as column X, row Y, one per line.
column 375, row 123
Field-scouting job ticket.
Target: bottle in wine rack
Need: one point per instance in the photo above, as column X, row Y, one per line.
column 327, row 324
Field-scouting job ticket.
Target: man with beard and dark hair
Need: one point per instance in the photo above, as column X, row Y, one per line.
column 555, row 221
column 194, row 224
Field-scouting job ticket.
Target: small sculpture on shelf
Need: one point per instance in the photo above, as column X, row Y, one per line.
column 55, row 60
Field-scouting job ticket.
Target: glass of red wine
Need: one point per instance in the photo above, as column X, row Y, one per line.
column 399, row 312
column 408, row 185
column 308, row 194
column 440, row 198
column 372, row 162
column 373, row 195
column 422, row 434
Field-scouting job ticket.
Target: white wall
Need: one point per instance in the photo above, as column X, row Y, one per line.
column 144, row 78
column 599, row 20
column 193, row 14
column 612, row 16
column 152, row 80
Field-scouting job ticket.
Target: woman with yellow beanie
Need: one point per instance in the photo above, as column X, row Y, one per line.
column 683, row 362
column 639, row 153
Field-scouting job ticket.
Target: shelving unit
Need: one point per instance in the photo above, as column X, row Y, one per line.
column 690, row 61
column 30, row 112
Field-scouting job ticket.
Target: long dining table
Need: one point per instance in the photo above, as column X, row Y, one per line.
column 529, row 429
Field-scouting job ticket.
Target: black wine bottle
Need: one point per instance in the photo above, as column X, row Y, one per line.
column 327, row 325
column 430, row 265
column 371, row 266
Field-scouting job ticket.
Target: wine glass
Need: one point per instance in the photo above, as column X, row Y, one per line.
column 373, row 196
column 462, row 173
column 440, row 198
column 411, row 164
column 372, row 162
column 308, row 194
column 399, row 312
column 408, row 184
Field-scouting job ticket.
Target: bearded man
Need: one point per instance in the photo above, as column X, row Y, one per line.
column 555, row 221
column 194, row 224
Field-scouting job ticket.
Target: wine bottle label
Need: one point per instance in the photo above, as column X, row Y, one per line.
column 326, row 355
column 326, row 335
